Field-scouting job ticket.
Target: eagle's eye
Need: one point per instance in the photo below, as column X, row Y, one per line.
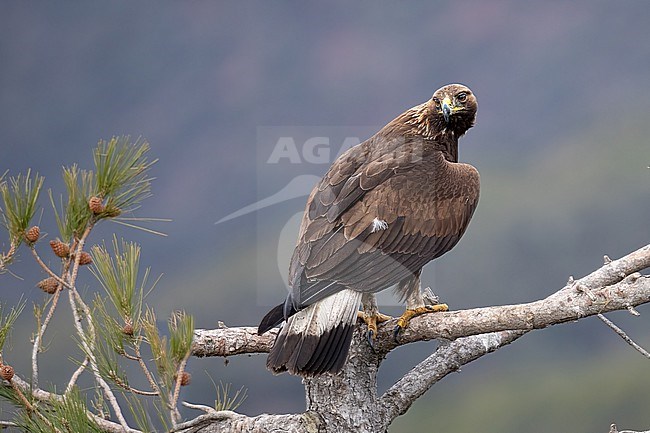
column 437, row 102
column 461, row 97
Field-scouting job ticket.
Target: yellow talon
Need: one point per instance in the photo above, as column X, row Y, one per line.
column 405, row 318
column 371, row 320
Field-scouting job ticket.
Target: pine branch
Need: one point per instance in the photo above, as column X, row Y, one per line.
column 47, row 268
column 75, row 375
column 75, row 303
column 19, row 196
column 46, row 396
column 36, row 346
column 145, row 370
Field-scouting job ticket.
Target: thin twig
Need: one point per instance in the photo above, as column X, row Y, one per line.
column 129, row 388
column 76, row 374
column 87, row 341
column 128, row 356
column 41, row 331
column 624, row 336
column 177, row 389
column 21, row 396
column 79, row 248
column 108, row 393
column 47, row 268
column 39, row 335
column 146, row 371
column 141, row 392
column 202, row 407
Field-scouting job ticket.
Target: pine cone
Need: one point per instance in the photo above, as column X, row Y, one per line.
column 33, row 234
column 60, row 249
column 85, row 259
column 48, row 285
column 128, row 329
column 186, row 378
column 7, row 372
column 95, row 204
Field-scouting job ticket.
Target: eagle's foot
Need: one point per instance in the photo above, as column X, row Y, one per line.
column 371, row 320
column 405, row 318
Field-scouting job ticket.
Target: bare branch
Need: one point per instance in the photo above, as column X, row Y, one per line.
column 146, row 371
column 47, row 268
column 624, row 336
column 231, row 341
column 615, row 286
column 78, row 249
column 119, row 382
column 568, row 304
column 41, row 331
column 203, row 420
column 39, row 335
column 227, row 421
column 616, row 270
column 202, row 407
column 75, row 375
column 173, row 401
column 448, row 358
column 74, row 299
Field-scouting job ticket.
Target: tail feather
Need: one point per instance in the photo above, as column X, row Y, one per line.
column 272, row 319
column 317, row 339
column 326, row 359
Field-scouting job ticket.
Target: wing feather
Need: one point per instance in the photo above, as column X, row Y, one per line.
column 426, row 203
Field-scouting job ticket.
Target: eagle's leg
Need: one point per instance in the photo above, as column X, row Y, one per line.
column 417, row 303
column 371, row 316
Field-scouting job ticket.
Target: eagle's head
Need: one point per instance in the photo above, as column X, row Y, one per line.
column 454, row 108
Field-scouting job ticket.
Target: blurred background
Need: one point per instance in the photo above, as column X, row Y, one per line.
column 561, row 142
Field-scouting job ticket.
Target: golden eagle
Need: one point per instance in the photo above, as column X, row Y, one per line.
column 385, row 208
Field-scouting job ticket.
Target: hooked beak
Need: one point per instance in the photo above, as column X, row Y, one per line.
column 446, row 109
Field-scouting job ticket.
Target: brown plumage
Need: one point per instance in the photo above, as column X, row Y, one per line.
column 385, row 208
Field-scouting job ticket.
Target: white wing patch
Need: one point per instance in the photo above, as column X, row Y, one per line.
column 378, row 224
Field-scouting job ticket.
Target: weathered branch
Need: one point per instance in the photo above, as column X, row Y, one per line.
column 571, row 303
column 231, row 341
column 76, row 374
column 36, row 347
column 615, row 286
column 448, row 358
column 87, row 339
column 226, row 421
column 566, row 305
column 473, row 334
